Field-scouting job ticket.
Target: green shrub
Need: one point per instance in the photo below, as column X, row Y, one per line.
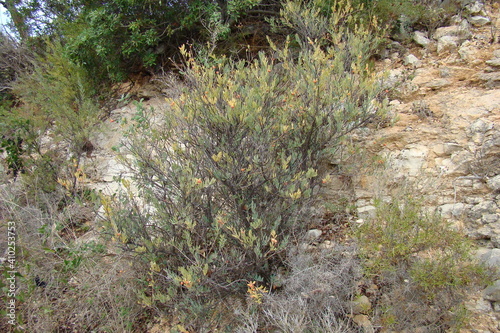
column 58, row 101
column 230, row 170
column 404, row 15
column 415, row 255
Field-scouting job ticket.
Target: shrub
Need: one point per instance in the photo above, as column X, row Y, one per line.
column 230, row 170
column 58, row 101
column 404, row 15
column 416, row 256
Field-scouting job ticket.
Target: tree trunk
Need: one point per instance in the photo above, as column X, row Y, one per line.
column 18, row 19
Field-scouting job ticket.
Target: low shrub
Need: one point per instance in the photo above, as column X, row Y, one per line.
column 423, row 267
column 57, row 101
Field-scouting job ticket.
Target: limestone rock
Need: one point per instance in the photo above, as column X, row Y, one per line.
column 479, row 21
column 364, row 322
column 492, row 80
column 366, row 212
column 394, row 77
column 467, row 51
column 450, row 148
column 492, row 293
column 452, row 210
column 475, row 7
column 496, row 307
column 461, row 32
column 495, row 62
column 490, row 218
column 421, row 39
column 484, row 207
column 494, row 183
column 438, row 84
column 483, row 306
column 412, row 60
column 313, row 234
column 477, row 130
column 491, row 258
column 411, row 160
column 447, row 44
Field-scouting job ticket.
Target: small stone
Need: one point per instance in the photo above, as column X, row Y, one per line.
column 483, row 306
column 452, row 210
column 445, row 72
column 467, row 51
column 313, row 234
column 438, row 84
column 412, row 60
column 326, row 245
column 366, row 212
column 482, row 208
column 475, row 7
column 492, row 293
column 438, row 149
column 461, row 32
column 496, row 306
column 494, row 183
column 493, row 62
column 492, row 79
column 421, row 39
column 480, row 126
column 479, row 21
column 491, row 258
column 364, row 322
column 481, row 233
column 394, row 77
column 490, row 218
column 447, row 43
column 456, row 19
column 450, row 148
column 361, row 305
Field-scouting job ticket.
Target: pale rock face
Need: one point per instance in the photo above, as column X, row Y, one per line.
column 447, row 44
column 475, row 7
column 452, row 210
column 411, row 160
column 467, row 51
column 494, row 183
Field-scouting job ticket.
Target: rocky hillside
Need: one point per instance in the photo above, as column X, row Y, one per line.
column 446, row 136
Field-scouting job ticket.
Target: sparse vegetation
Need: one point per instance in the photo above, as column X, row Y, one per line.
column 415, row 255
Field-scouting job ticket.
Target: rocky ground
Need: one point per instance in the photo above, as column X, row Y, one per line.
column 445, row 137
